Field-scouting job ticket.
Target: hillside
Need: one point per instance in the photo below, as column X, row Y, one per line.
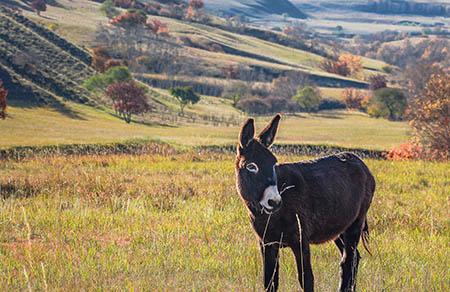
column 39, row 65
column 255, row 8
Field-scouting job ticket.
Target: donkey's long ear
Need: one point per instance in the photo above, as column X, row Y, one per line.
column 247, row 133
column 267, row 136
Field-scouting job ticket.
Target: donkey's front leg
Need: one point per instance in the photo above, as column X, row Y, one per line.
column 270, row 261
column 303, row 260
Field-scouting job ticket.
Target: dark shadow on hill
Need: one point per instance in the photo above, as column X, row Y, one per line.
column 330, row 115
column 56, row 105
column 147, row 123
column 15, row 4
column 27, row 95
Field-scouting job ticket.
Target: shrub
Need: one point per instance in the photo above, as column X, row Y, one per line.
column 389, row 103
column 377, row 81
column 353, row 99
column 128, row 98
column 113, row 63
column 405, row 151
column 3, row 103
column 185, row 96
column 387, row 69
column 308, row 98
column 100, row 55
column 430, row 117
column 99, row 82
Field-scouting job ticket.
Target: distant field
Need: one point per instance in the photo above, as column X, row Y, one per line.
column 176, row 223
column 41, row 126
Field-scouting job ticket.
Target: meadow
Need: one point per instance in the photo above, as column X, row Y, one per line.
column 84, row 124
column 175, row 222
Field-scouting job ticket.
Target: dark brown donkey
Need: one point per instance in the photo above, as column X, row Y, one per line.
column 297, row 204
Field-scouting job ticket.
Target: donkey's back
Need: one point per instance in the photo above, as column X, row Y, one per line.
column 330, row 193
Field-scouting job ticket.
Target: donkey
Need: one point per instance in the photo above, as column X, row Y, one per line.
column 297, row 204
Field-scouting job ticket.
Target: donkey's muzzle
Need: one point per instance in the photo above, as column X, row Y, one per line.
column 271, row 200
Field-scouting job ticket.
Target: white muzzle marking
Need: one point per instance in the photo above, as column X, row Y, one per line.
column 270, row 193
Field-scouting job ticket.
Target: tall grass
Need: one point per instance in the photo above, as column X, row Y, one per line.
column 174, row 222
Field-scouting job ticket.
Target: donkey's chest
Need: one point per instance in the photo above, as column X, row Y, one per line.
column 270, row 230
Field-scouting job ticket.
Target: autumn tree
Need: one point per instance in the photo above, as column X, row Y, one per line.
column 430, row 113
column 377, row 81
column 185, row 96
column 3, row 95
column 344, row 65
column 335, row 67
column 39, row 6
column 130, row 19
column 353, row 63
column 128, row 99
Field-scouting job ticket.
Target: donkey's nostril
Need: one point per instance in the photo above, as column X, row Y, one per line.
column 273, row 203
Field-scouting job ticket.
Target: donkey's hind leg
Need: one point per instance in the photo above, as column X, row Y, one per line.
column 350, row 255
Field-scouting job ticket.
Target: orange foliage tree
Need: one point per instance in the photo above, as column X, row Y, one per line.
column 129, row 19
column 3, row 95
column 352, row 62
column 430, row 117
column 344, row 65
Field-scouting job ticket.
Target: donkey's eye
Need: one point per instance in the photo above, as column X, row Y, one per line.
column 252, row 167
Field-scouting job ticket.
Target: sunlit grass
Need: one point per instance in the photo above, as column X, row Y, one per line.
column 176, row 222
column 44, row 126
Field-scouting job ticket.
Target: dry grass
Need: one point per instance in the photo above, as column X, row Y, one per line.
column 175, row 223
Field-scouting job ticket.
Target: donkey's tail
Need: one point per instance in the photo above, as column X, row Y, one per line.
column 365, row 237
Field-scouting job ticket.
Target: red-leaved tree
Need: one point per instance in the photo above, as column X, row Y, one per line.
column 129, row 19
column 128, row 99
column 3, row 95
column 38, row 6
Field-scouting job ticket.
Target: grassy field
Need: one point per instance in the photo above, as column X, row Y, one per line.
column 176, row 223
column 88, row 125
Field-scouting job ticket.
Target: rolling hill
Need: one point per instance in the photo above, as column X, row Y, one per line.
column 255, row 8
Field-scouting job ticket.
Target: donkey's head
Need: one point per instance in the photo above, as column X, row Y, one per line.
column 256, row 178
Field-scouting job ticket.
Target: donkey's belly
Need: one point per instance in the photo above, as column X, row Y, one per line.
column 329, row 229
